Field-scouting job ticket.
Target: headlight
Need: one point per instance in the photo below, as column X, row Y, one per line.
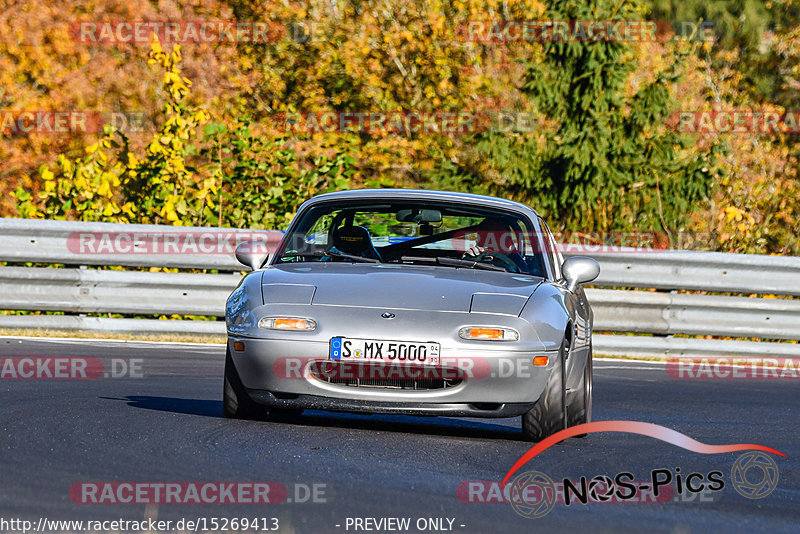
column 488, row 333
column 287, row 323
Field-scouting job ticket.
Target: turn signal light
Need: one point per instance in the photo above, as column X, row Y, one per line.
column 540, row 361
column 287, row 323
column 238, row 346
column 488, row 333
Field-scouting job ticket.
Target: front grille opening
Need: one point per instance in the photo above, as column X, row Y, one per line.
column 487, row 406
column 285, row 396
column 398, row 377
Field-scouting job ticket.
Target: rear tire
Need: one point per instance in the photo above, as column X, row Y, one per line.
column 548, row 415
column 236, row 403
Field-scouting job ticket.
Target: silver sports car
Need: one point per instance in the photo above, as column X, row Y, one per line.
column 413, row 302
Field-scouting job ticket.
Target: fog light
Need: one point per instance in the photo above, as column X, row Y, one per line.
column 287, row 323
column 238, row 346
column 488, row 333
column 540, row 361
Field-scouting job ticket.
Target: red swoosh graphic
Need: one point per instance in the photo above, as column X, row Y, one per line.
column 634, row 427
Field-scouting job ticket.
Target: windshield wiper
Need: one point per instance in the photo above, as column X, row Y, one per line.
column 322, row 254
column 455, row 262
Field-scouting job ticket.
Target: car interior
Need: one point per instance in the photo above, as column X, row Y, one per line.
column 416, row 235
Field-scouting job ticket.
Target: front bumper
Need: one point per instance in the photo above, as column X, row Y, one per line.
column 495, row 382
column 450, row 409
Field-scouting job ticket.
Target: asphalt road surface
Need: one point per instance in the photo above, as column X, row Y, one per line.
column 167, row 426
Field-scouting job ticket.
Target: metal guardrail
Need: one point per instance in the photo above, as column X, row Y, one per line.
column 699, row 271
column 663, row 312
column 678, row 347
column 125, row 292
column 128, row 245
column 703, row 315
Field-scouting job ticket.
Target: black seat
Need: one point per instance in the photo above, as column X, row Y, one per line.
column 355, row 240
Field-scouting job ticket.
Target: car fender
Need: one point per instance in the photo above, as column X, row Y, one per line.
column 549, row 310
column 239, row 316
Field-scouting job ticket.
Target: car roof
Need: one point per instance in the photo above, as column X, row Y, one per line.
column 422, row 194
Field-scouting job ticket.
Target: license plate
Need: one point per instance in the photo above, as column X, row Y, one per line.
column 376, row 351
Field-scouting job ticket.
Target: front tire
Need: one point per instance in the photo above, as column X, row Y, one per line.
column 582, row 407
column 236, row 403
column 548, row 415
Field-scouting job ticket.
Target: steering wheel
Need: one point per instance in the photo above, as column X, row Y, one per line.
column 499, row 259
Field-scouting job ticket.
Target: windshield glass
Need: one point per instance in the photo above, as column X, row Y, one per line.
column 405, row 232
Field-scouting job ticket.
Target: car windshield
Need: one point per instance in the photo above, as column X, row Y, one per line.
column 415, row 233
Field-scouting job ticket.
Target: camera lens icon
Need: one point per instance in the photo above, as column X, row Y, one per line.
column 532, row 494
column 754, row 475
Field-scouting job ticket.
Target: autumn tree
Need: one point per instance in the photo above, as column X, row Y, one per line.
column 605, row 157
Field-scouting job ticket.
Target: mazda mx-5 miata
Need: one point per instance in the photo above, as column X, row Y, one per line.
column 413, row 302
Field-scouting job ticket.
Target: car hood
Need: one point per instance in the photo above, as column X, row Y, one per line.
column 398, row 287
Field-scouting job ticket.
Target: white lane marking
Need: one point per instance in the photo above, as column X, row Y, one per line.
column 81, row 341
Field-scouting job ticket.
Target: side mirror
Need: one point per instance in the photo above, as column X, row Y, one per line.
column 252, row 254
column 579, row 270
